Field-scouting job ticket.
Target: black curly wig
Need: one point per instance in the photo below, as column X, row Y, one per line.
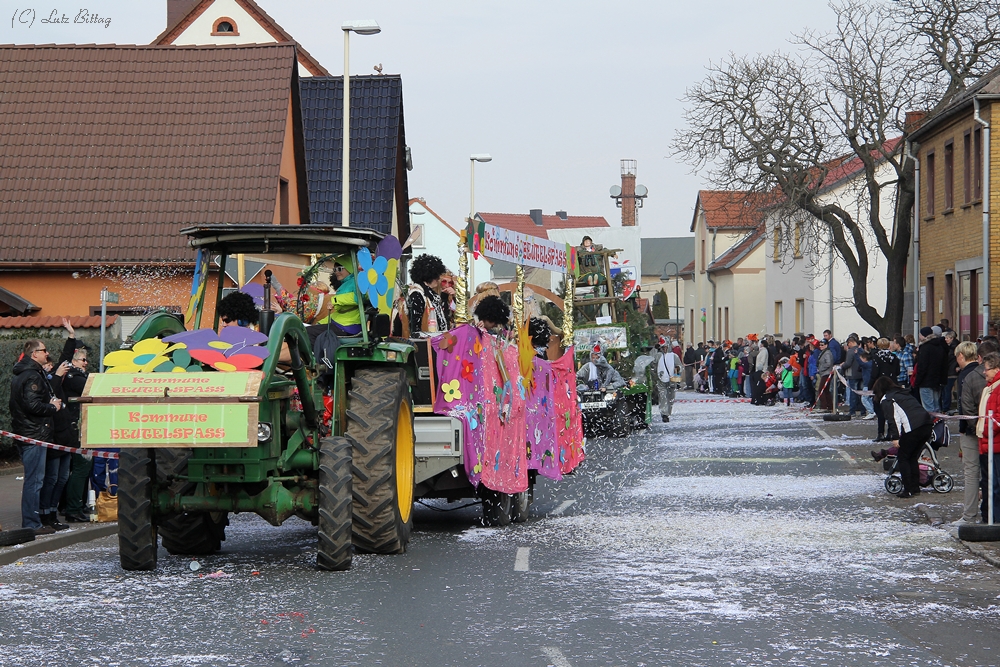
column 539, row 331
column 492, row 309
column 238, row 307
column 427, row 268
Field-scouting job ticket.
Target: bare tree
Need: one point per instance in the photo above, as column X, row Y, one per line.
column 791, row 124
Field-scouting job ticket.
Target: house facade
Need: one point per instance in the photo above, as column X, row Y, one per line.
column 227, row 22
column 148, row 156
column 432, row 235
column 724, row 285
column 952, row 154
column 808, row 287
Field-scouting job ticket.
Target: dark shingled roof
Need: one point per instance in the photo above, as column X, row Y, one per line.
column 378, row 145
column 106, row 152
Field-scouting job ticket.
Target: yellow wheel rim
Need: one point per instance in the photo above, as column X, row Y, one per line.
column 404, row 462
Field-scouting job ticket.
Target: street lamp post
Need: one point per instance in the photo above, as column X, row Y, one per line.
column 677, row 274
column 473, row 159
column 364, row 27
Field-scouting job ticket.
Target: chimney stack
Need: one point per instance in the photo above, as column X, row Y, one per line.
column 628, row 193
column 913, row 121
column 536, row 216
column 561, row 214
column 178, row 9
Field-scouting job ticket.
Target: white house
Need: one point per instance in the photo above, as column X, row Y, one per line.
column 432, row 235
column 193, row 22
column 808, row 287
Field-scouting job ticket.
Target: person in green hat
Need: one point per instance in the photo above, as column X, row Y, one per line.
column 344, row 311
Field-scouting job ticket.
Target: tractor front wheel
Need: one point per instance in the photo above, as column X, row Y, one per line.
column 334, row 552
column 136, row 530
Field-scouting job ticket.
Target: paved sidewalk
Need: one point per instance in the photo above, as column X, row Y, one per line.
column 10, row 518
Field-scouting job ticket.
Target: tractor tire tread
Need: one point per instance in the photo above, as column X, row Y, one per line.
column 335, row 505
column 375, row 397
column 136, row 531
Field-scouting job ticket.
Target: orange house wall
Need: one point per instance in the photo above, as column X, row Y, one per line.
column 288, row 172
column 58, row 293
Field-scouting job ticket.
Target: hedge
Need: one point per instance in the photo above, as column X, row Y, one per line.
column 10, row 350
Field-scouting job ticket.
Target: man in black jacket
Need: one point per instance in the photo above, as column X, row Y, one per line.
column 932, row 369
column 32, row 411
column 68, row 425
column 690, row 359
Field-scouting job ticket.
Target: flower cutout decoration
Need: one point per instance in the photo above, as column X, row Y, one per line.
column 451, row 391
column 145, row 356
column 447, row 343
column 372, row 279
column 477, row 347
column 467, row 371
column 235, row 349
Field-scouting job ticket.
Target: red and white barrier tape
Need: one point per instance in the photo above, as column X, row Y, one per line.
column 61, row 448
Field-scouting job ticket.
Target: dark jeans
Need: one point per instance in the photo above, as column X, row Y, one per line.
column 880, row 418
column 56, row 476
column 855, row 402
column 77, row 486
column 807, row 392
column 983, row 479
column 33, row 459
column 756, row 387
column 910, row 446
column 946, row 394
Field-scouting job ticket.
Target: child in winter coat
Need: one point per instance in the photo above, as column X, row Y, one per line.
column 787, row 380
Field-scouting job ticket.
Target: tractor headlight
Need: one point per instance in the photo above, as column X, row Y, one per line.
column 263, row 432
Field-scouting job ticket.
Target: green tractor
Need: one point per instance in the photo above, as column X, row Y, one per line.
column 197, row 446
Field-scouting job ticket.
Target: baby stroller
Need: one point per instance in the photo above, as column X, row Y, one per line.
column 931, row 473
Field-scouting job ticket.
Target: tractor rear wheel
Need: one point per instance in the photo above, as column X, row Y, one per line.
column 187, row 533
column 136, row 530
column 497, row 507
column 380, row 429
column 334, row 552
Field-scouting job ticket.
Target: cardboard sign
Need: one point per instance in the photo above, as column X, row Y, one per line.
column 173, row 385
column 169, row 425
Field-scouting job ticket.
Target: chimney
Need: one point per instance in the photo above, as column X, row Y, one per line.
column 628, row 193
column 536, row 216
column 561, row 214
column 178, row 9
column 913, row 121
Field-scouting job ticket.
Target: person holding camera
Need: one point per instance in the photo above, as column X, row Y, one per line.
column 33, row 408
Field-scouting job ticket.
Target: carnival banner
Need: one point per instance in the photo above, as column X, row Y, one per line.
column 517, row 248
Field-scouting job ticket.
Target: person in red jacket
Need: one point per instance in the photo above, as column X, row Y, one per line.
column 989, row 402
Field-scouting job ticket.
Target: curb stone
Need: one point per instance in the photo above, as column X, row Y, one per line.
column 42, row 545
column 13, row 470
column 991, row 556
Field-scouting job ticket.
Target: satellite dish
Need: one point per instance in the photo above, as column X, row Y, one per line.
column 641, row 191
column 616, row 191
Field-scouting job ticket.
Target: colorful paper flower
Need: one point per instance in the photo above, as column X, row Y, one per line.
column 235, row 349
column 144, row 357
column 467, row 371
column 447, row 343
column 477, row 347
column 221, row 362
column 371, row 277
column 451, row 391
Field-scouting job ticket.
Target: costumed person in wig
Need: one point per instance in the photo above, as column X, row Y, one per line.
column 667, row 367
column 598, row 373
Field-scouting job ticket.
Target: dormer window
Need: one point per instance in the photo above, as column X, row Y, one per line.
column 226, row 27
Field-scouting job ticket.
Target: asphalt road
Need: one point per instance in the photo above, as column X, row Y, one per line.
column 733, row 535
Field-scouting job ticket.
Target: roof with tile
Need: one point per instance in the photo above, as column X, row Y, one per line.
column 76, row 321
column 185, row 19
column 106, row 152
column 738, row 251
column 730, row 209
column 522, row 222
column 688, row 269
column 378, row 150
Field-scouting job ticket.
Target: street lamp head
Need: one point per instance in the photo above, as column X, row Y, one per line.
column 481, row 157
column 362, row 27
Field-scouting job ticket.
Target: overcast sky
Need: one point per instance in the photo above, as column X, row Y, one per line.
column 558, row 91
